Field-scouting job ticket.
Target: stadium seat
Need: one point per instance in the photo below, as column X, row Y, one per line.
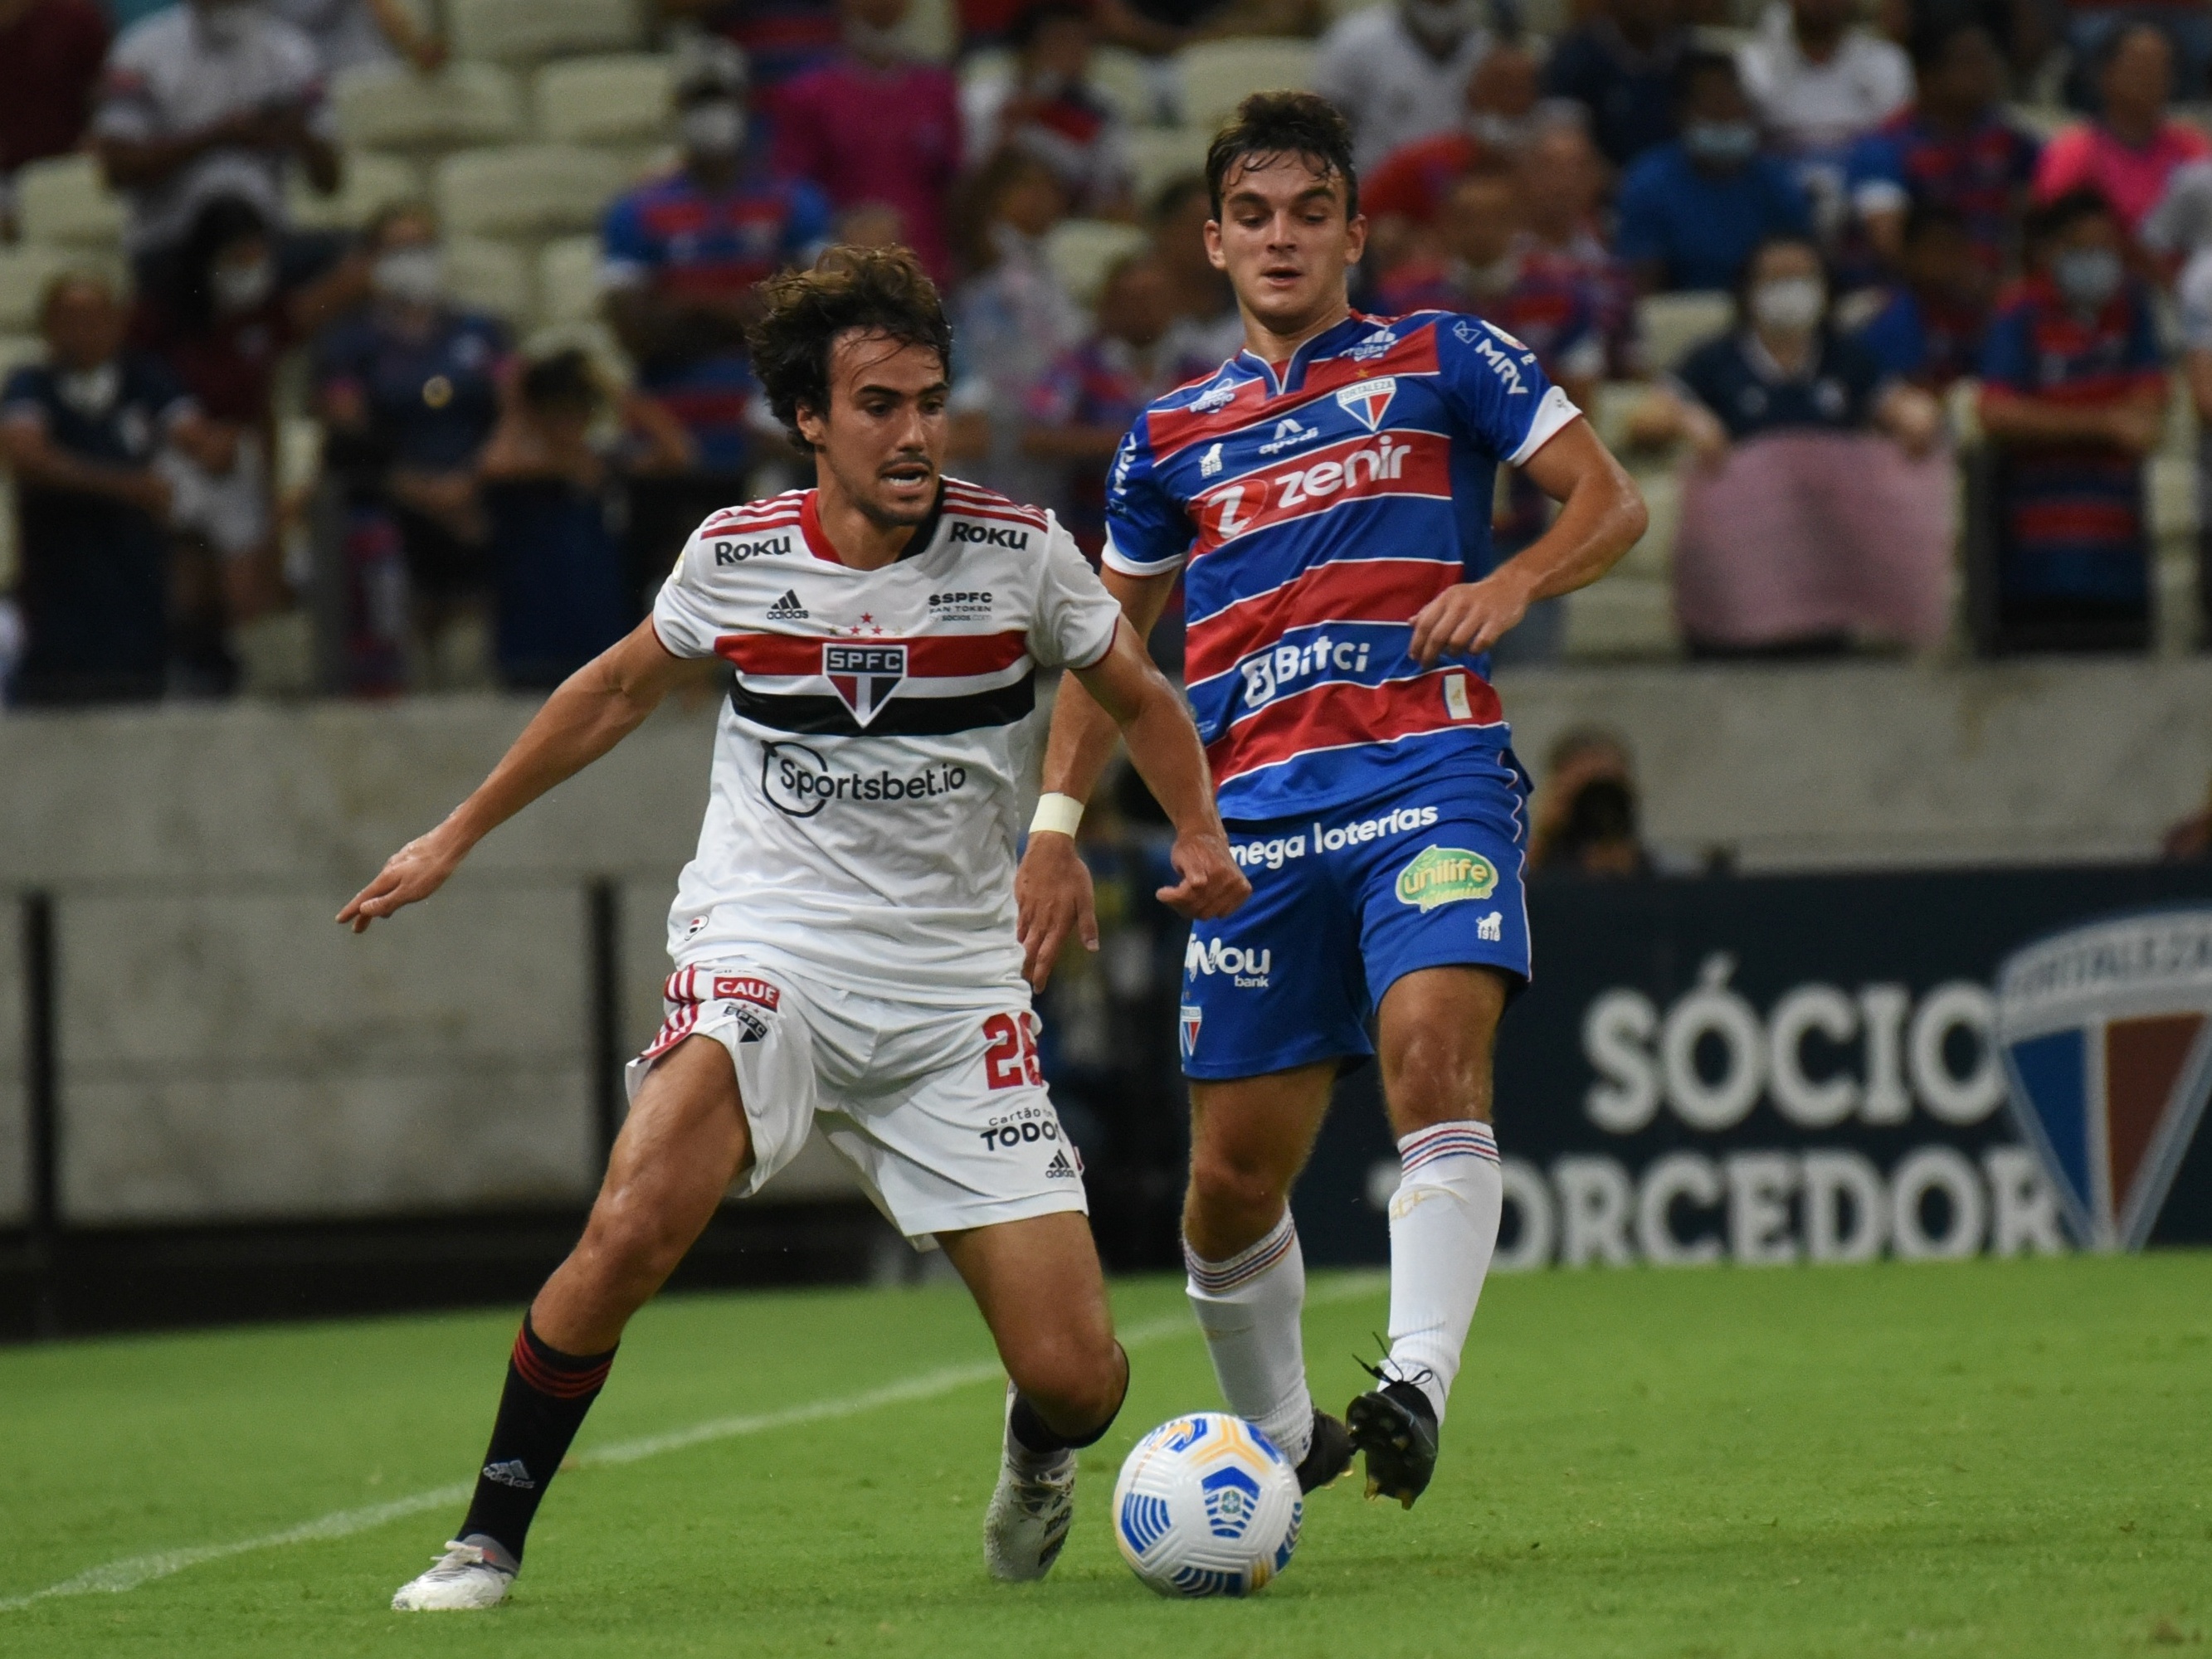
column 621, row 98
column 1671, row 324
column 1158, row 154
column 930, row 31
column 25, row 270
column 65, row 201
column 1082, row 251
column 389, row 108
column 569, row 279
column 1133, row 84
column 2040, row 120
column 1216, row 75
column 1338, row 9
column 16, row 350
column 371, row 182
column 528, row 31
column 525, row 189
column 591, row 337
column 482, row 274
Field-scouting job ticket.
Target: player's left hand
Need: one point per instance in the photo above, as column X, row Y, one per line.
column 1468, row 618
column 1212, row 884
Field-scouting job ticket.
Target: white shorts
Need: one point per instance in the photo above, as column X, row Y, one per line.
column 942, row 1112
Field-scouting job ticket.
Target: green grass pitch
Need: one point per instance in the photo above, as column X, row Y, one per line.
column 1985, row 1458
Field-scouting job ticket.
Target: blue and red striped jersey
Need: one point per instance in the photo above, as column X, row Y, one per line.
column 1314, row 509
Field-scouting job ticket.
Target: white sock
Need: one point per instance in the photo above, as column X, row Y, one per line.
column 1248, row 1308
column 1444, row 1225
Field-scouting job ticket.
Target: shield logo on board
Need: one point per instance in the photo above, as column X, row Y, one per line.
column 2106, row 1031
column 1366, row 402
column 863, row 676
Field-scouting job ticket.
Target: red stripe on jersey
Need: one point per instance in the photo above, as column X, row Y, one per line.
column 772, row 515
column 936, row 655
column 1167, row 430
column 1339, row 716
column 1389, row 464
column 1346, row 590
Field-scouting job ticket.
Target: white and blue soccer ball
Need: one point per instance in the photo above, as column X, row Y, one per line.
column 1207, row 1506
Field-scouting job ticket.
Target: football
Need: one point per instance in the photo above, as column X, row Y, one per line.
column 1207, row 1506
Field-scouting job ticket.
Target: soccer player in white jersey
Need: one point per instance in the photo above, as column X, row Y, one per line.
column 1325, row 497
column 844, row 939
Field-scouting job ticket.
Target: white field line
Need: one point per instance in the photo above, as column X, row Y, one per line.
column 128, row 1574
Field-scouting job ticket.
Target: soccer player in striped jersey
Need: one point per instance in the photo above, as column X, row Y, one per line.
column 1325, row 498
column 844, row 940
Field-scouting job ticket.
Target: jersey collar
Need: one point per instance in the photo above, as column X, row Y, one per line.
column 1326, row 344
column 818, row 539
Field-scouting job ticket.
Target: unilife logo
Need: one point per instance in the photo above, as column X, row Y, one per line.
column 1271, row 673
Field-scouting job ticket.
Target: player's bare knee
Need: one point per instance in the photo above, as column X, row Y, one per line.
column 1231, row 1195
column 1076, row 1381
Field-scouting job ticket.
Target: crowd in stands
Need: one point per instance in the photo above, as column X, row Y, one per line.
column 1917, row 269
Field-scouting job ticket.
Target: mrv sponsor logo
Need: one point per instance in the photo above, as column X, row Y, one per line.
column 799, row 783
column 758, row 547
column 2106, row 1034
column 1248, row 969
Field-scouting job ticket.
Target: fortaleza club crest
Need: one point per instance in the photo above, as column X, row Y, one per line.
column 1366, row 402
column 1445, row 875
column 2106, row 1031
column 863, row 676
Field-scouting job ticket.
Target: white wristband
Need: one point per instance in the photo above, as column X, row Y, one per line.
column 1058, row 813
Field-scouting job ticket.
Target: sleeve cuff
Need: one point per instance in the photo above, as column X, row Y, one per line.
column 1554, row 412
column 1114, row 559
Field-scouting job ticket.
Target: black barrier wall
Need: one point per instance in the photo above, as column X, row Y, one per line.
column 1765, row 1070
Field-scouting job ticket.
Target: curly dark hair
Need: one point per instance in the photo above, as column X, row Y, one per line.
column 1268, row 124
column 880, row 289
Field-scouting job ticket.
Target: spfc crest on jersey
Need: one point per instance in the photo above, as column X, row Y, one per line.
column 863, row 676
column 2107, row 1037
column 1366, row 402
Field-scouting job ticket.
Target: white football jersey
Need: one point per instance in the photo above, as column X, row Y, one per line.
column 866, row 804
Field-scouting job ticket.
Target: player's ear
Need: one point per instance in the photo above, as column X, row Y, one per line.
column 1214, row 256
column 811, row 426
column 1355, row 239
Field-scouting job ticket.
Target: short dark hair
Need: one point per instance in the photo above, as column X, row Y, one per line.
column 2060, row 215
column 880, row 289
column 1033, row 22
column 1696, row 64
column 1268, row 124
column 564, row 380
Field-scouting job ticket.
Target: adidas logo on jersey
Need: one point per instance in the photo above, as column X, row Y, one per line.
column 1060, row 1169
column 787, row 608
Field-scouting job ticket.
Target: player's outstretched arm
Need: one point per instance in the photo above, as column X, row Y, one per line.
column 1129, row 692
column 592, row 710
column 1602, row 515
column 1052, row 890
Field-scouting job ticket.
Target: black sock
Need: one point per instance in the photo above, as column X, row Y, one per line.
column 1036, row 1435
column 542, row 1406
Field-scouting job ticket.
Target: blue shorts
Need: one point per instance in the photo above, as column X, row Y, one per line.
column 1345, row 902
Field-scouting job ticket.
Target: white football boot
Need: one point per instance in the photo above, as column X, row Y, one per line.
column 473, row 1573
column 1029, row 1512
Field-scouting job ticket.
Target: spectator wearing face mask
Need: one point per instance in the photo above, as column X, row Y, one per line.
column 50, row 52
column 1817, row 510
column 1078, row 412
column 80, row 433
column 2074, row 395
column 872, row 124
column 222, row 327
column 408, row 389
column 1487, row 265
column 1208, row 328
column 1046, row 105
column 211, row 98
column 1691, row 211
column 1399, row 72
column 683, row 255
column 2129, row 152
column 1497, row 112
column 1586, row 813
column 1011, row 318
column 1623, row 64
column 1952, row 149
column 1929, row 326
column 1818, row 85
column 552, row 497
